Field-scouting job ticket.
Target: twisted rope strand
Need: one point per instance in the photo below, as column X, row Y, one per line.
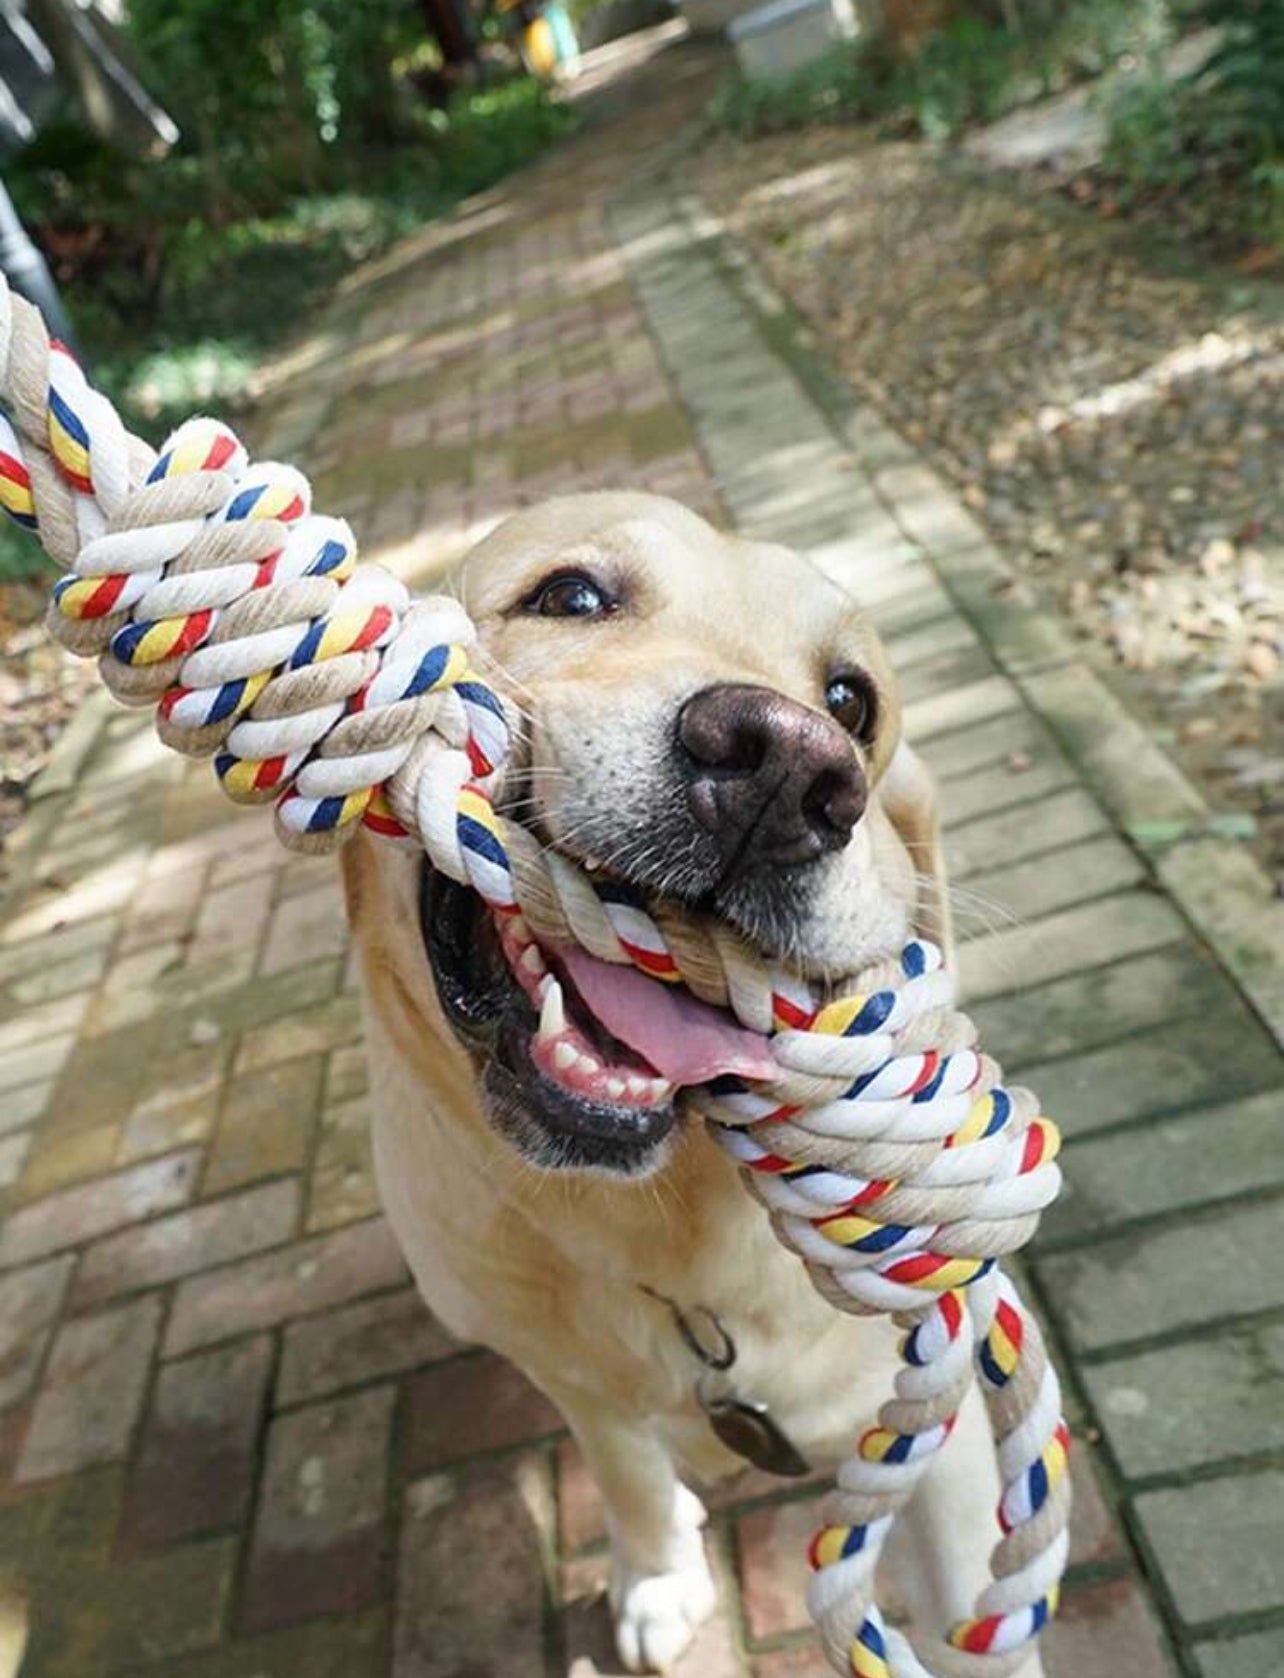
column 886, row 1151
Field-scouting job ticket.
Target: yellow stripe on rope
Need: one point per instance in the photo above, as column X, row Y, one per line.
column 475, row 807
column 353, row 807
column 193, row 448
column 849, row 1228
column 241, row 781
column 835, row 1017
column 73, row 599
column 950, row 1273
column 454, row 671
column 16, row 497
column 979, row 1116
column 1056, row 1460
column 828, row 1546
column 159, row 641
column 1005, row 1351
column 71, row 455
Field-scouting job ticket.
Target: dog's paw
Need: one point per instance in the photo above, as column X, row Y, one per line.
column 657, row 1614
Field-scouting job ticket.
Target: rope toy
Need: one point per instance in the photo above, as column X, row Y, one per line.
column 886, row 1151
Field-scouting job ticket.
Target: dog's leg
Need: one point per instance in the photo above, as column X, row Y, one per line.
column 937, row 1560
column 661, row 1586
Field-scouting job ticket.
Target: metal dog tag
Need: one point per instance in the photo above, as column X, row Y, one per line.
column 743, row 1425
column 748, row 1429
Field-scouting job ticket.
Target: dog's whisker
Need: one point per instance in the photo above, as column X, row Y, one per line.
column 485, row 656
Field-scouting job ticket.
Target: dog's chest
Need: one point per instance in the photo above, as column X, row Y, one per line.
column 729, row 1349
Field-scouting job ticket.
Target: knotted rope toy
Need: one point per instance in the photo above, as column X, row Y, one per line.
column 886, row 1150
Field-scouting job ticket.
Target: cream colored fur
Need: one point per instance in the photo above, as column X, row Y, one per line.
column 548, row 1268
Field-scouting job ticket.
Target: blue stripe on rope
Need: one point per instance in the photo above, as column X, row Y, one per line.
column 68, row 419
column 474, row 837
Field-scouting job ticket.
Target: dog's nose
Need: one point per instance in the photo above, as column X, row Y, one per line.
column 773, row 782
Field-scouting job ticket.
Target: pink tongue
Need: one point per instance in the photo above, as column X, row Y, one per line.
column 685, row 1040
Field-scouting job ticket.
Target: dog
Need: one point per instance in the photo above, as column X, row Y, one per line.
column 714, row 721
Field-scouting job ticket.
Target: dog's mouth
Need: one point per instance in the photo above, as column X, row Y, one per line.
column 585, row 1061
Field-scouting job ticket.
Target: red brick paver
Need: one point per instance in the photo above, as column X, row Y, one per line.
column 232, row 1440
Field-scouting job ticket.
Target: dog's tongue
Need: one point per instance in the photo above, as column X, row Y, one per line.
column 685, row 1040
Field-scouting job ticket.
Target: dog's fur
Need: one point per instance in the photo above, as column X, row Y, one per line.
column 549, row 1267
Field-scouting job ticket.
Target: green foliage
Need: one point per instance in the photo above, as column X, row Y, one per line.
column 306, row 146
column 970, row 70
column 262, row 87
column 177, row 306
column 1217, row 136
column 839, row 86
column 962, row 74
column 1090, row 37
column 1214, row 139
column 22, row 557
column 1147, row 141
column 1244, row 79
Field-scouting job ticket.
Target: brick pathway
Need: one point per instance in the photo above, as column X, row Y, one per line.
column 232, row 1442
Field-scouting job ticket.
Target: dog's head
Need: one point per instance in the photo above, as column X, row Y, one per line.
column 706, row 718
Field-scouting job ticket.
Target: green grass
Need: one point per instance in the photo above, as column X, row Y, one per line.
column 21, row 556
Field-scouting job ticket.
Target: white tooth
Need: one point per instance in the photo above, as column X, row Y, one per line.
column 639, row 1087
column 588, row 1064
column 593, row 863
column 661, row 1089
column 564, row 1056
column 615, row 1088
column 532, row 960
column 552, row 1013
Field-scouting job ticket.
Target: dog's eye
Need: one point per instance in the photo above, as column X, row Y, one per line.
column 569, row 595
column 850, row 699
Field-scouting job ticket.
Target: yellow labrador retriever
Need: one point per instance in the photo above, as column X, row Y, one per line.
column 713, row 720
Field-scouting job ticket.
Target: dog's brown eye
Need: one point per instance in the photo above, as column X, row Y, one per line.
column 850, row 699
column 568, row 596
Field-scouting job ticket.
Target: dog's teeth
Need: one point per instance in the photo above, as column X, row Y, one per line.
column 593, row 864
column 552, row 1013
column 519, row 929
column 661, row 1090
column 589, row 1065
column 639, row 1088
column 532, row 960
column 564, row 1056
column 615, row 1088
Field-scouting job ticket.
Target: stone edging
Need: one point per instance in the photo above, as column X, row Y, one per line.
column 1213, row 879
column 1217, row 884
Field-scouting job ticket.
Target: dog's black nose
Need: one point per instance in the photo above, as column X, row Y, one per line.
column 774, row 782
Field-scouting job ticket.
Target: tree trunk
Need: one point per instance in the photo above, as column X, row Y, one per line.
column 451, row 26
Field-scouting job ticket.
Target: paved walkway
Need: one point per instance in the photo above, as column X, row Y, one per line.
column 231, row 1441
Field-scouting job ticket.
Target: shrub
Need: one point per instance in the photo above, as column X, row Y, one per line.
column 968, row 70
column 1221, row 128
column 962, row 75
column 1147, row 136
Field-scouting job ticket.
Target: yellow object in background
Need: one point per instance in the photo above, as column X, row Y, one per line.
column 539, row 48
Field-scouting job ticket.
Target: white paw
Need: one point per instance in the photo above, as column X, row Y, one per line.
column 657, row 1614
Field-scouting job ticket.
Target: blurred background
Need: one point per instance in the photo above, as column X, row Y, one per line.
column 975, row 302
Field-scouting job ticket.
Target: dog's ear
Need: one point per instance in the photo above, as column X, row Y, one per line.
column 908, row 791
